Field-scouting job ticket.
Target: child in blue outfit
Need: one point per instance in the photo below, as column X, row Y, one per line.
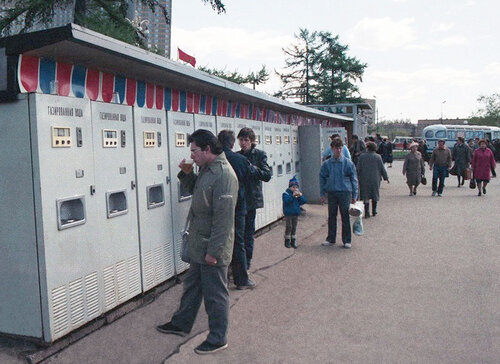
column 292, row 200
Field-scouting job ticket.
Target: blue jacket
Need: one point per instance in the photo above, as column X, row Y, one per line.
column 291, row 205
column 338, row 175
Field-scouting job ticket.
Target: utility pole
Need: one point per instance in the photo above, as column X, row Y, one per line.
column 442, row 110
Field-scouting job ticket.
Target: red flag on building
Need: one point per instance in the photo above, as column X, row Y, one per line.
column 183, row 56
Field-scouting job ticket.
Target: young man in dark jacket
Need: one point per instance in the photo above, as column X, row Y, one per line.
column 241, row 168
column 259, row 171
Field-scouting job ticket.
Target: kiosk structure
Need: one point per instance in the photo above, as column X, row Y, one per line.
column 91, row 133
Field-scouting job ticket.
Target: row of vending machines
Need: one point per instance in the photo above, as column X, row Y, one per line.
column 92, row 209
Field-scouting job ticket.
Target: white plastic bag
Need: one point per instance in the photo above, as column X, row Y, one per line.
column 357, row 209
column 357, row 226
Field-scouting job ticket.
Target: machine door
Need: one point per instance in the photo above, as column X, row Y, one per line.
column 115, row 192
column 69, row 249
column 295, row 152
column 153, row 196
column 179, row 127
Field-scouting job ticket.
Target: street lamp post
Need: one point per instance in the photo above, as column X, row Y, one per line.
column 376, row 114
column 442, row 110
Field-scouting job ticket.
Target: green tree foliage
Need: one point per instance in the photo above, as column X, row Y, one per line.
column 319, row 71
column 489, row 111
column 336, row 73
column 300, row 65
column 104, row 16
column 233, row 76
column 258, row 78
column 253, row 78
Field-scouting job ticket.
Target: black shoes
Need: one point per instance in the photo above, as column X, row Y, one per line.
column 249, row 285
column 207, row 348
column 294, row 243
column 374, row 204
column 287, row 243
column 170, row 328
column 367, row 210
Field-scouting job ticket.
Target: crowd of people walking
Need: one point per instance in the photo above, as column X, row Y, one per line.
column 227, row 190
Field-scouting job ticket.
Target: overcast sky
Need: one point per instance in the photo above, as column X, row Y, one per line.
column 424, row 56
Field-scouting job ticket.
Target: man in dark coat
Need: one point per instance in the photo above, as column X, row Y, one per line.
column 240, row 166
column 259, row 171
column 356, row 149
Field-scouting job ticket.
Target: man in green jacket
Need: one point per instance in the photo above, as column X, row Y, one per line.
column 210, row 243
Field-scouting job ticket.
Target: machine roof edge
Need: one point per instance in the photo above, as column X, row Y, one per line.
column 31, row 42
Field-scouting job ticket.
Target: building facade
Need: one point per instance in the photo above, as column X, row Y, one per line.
column 362, row 114
column 158, row 30
column 62, row 16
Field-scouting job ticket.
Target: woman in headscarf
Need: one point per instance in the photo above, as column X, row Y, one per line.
column 461, row 156
column 370, row 170
column 413, row 168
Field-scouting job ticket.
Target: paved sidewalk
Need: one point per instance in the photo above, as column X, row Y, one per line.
column 420, row 286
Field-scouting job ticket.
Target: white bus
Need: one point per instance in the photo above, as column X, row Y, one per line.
column 449, row 133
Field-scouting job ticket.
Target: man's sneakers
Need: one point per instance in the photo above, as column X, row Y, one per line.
column 170, row 328
column 434, row 193
column 207, row 348
column 327, row 243
column 250, row 285
column 347, row 245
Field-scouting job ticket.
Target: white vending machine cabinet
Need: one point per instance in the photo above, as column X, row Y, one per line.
column 153, row 196
column 180, row 126
column 269, row 188
column 115, row 193
column 50, row 252
column 295, row 152
column 206, row 122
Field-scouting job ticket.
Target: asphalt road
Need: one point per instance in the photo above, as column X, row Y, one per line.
column 420, row 286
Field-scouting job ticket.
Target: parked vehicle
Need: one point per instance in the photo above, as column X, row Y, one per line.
column 399, row 142
column 449, row 133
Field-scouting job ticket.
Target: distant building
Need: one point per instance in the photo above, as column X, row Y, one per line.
column 62, row 16
column 362, row 113
column 421, row 124
column 158, row 30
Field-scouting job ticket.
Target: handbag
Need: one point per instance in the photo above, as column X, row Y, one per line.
column 472, row 183
column 453, row 170
column 423, row 180
column 185, row 237
column 467, row 174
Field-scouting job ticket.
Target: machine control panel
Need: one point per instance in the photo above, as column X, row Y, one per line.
column 149, row 138
column 287, row 139
column 109, row 138
column 269, row 139
column 61, row 137
column 180, row 140
column 278, row 139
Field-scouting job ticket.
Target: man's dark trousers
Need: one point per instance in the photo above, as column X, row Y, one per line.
column 210, row 283
column 439, row 172
column 249, row 235
column 239, row 262
column 339, row 201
